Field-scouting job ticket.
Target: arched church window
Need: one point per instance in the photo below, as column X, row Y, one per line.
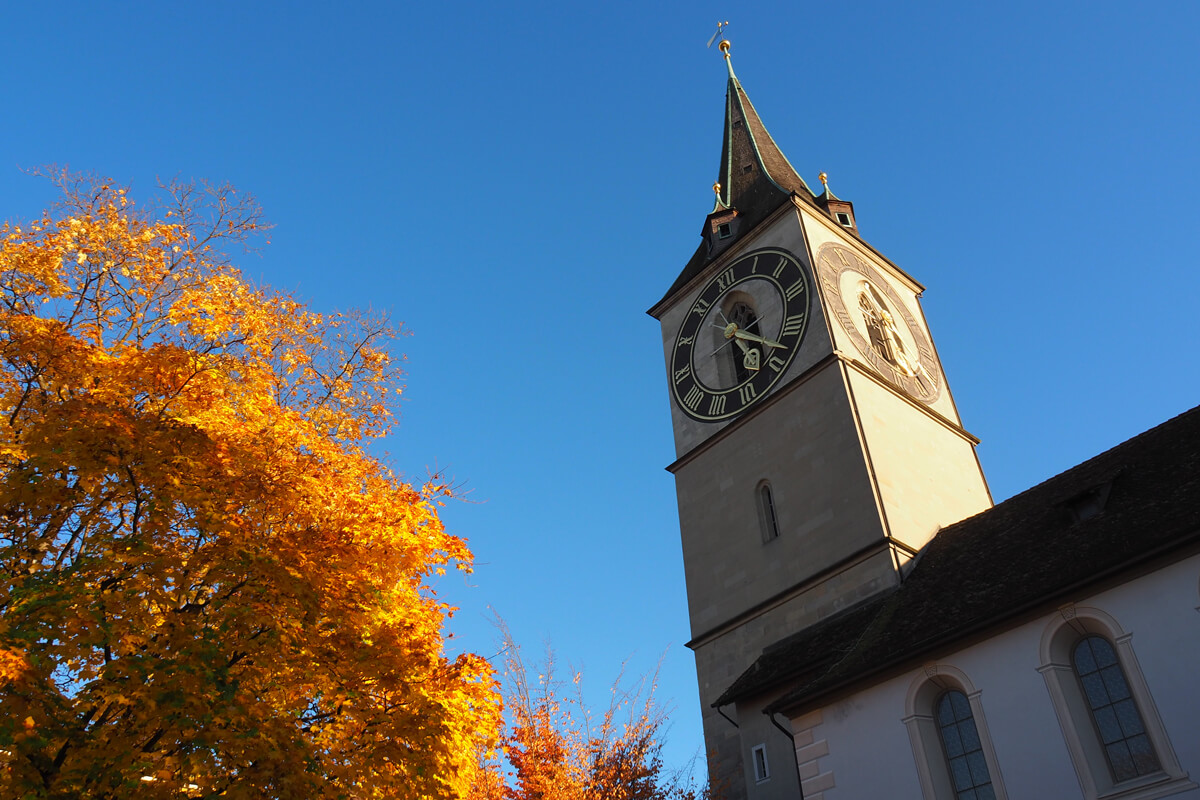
column 745, row 317
column 962, row 747
column 881, row 328
column 1118, row 722
column 1111, row 726
column 767, row 512
column 948, row 731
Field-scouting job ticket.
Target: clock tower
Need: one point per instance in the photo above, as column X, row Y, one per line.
column 818, row 447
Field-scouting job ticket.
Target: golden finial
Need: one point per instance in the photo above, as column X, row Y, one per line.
column 824, row 178
column 717, row 189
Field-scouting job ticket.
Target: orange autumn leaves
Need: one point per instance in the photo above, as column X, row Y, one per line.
column 208, row 586
column 555, row 748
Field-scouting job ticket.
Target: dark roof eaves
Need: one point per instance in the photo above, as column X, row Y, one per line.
column 800, row 700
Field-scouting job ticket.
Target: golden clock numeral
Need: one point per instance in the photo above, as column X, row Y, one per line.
column 779, row 269
column 701, row 307
column 792, row 325
column 685, row 340
column 795, row 289
column 680, row 374
column 841, row 256
column 717, row 406
column 747, row 393
column 725, row 279
column 693, row 398
column 754, row 266
column 776, row 363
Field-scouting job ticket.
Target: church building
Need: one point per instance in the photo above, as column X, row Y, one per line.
column 865, row 622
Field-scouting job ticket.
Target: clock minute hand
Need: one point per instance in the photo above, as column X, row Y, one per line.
column 740, row 334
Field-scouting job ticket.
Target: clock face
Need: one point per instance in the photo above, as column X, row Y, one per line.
column 883, row 330
column 740, row 335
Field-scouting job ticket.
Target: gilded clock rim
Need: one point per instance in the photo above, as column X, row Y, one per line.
column 830, row 275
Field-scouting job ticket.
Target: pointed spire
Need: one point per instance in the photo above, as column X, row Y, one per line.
column 754, row 172
column 754, row 179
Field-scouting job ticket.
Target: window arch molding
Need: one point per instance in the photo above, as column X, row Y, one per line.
column 1065, row 630
column 933, row 770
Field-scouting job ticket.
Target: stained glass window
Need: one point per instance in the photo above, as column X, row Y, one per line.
column 1116, row 716
column 964, row 753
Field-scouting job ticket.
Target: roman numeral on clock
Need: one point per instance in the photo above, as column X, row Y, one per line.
column 717, row 406
column 682, row 373
column 725, row 279
column 783, row 262
column 795, row 289
column 693, row 398
column 701, row 307
column 776, row 363
column 747, row 393
column 793, row 325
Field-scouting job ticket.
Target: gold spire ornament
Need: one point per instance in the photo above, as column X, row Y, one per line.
column 717, row 189
column 824, row 178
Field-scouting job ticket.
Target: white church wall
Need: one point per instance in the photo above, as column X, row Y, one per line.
column 869, row 750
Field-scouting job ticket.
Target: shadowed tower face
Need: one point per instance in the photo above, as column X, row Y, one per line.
column 818, row 447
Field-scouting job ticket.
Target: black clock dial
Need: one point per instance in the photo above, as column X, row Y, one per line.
column 740, row 335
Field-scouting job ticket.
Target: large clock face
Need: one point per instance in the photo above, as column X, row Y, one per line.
column 879, row 324
column 740, row 335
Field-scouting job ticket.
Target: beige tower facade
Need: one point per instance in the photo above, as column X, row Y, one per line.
column 818, row 447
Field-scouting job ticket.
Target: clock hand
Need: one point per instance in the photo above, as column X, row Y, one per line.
column 740, row 343
column 719, row 349
column 737, row 334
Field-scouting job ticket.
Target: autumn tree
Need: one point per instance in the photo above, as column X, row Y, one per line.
column 208, row 586
column 556, row 748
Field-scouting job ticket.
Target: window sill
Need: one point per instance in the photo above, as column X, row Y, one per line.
column 1147, row 787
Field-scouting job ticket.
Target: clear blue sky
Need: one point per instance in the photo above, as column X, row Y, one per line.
column 519, row 182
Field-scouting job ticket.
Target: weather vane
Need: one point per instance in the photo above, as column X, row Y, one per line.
column 721, row 26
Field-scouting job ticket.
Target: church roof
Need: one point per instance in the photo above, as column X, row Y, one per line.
column 1096, row 522
column 755, row 176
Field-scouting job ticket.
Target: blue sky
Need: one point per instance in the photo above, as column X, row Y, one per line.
column 519, row 183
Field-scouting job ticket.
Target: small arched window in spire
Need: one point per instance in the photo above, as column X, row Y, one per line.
column 767, row 512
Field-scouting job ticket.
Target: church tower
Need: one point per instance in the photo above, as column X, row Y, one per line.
column 818, row 448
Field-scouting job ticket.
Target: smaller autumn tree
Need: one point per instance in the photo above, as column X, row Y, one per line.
column 208, row 586
column 555, row 748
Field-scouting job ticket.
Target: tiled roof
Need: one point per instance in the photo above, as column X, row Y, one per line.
column 1133, row 503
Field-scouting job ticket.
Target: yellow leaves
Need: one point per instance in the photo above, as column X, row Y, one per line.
column 215, row 556
column 13, row 665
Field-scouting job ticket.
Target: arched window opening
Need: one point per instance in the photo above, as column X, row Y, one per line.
column 1111, row 726
column 962, row 747
column 881, row 329
column 745, row 317
column 766, row 508
column 1118, row 722
column 948, row 731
